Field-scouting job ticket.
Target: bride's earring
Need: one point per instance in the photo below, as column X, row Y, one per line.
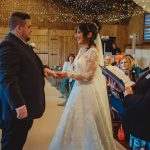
column 89, row 35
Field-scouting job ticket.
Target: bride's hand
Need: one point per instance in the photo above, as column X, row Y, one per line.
column 62, row 75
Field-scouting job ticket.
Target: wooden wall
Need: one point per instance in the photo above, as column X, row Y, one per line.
column 136, row 25
column 53, row 46
column 58, row 43
column 122, row 33
column 118, row 31
column 61, row 44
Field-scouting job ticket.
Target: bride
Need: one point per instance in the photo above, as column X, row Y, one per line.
column 85, row 123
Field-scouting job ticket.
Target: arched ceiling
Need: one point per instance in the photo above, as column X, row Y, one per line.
column 49, row 12
column 103, row 10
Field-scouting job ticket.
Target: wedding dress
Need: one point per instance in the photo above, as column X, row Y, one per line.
column 85, row 123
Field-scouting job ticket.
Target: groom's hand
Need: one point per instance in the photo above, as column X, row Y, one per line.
column 48, row 71
column 62, row 75
column 22, row 112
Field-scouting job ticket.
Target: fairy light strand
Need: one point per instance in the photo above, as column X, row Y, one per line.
column 74, row 11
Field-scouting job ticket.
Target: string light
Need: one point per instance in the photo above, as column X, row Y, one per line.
column 74, row 11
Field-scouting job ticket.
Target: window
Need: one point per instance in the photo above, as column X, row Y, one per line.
column 147, row 27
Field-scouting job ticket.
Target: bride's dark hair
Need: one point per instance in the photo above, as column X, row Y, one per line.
column 89, row 27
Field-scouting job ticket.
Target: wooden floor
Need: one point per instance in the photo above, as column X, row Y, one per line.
column 43, row 129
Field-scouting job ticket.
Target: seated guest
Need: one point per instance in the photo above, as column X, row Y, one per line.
column 129, row 66
column 115, row 49
column 67, row 84
column 118, row 57
column 136, row 119
column 108, row 60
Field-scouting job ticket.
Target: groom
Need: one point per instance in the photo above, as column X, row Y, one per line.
column 22, row 96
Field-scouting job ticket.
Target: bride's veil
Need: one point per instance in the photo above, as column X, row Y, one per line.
column 103, row 102
column 104, row 96
column 99, row 47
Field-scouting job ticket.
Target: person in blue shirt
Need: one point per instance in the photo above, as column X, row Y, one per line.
column 67, row 83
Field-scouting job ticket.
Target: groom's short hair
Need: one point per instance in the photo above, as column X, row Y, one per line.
column 17, row 18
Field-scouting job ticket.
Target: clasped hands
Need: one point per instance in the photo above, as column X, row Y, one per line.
column 22, row 111
column 61, row 75
column 55, row 74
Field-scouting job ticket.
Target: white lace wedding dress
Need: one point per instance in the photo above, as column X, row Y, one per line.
column 85, row 123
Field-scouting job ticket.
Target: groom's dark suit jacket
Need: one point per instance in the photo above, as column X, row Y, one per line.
column 21, row 79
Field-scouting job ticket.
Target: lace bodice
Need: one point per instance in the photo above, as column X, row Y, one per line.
column 86, row 64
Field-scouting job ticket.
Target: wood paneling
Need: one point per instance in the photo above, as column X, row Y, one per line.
column 3, row 32
column 66, row 43
column 57, row 44
column 118, row 31
column 121, row 37
column 136, row 24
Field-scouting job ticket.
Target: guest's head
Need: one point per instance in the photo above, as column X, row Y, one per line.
column 126, row 63
column 20, row 25
column 86, row 33
column 108, row 60
column 71, row 58
column 114, row 45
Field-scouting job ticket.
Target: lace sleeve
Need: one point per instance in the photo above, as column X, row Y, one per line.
column 91, row 63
